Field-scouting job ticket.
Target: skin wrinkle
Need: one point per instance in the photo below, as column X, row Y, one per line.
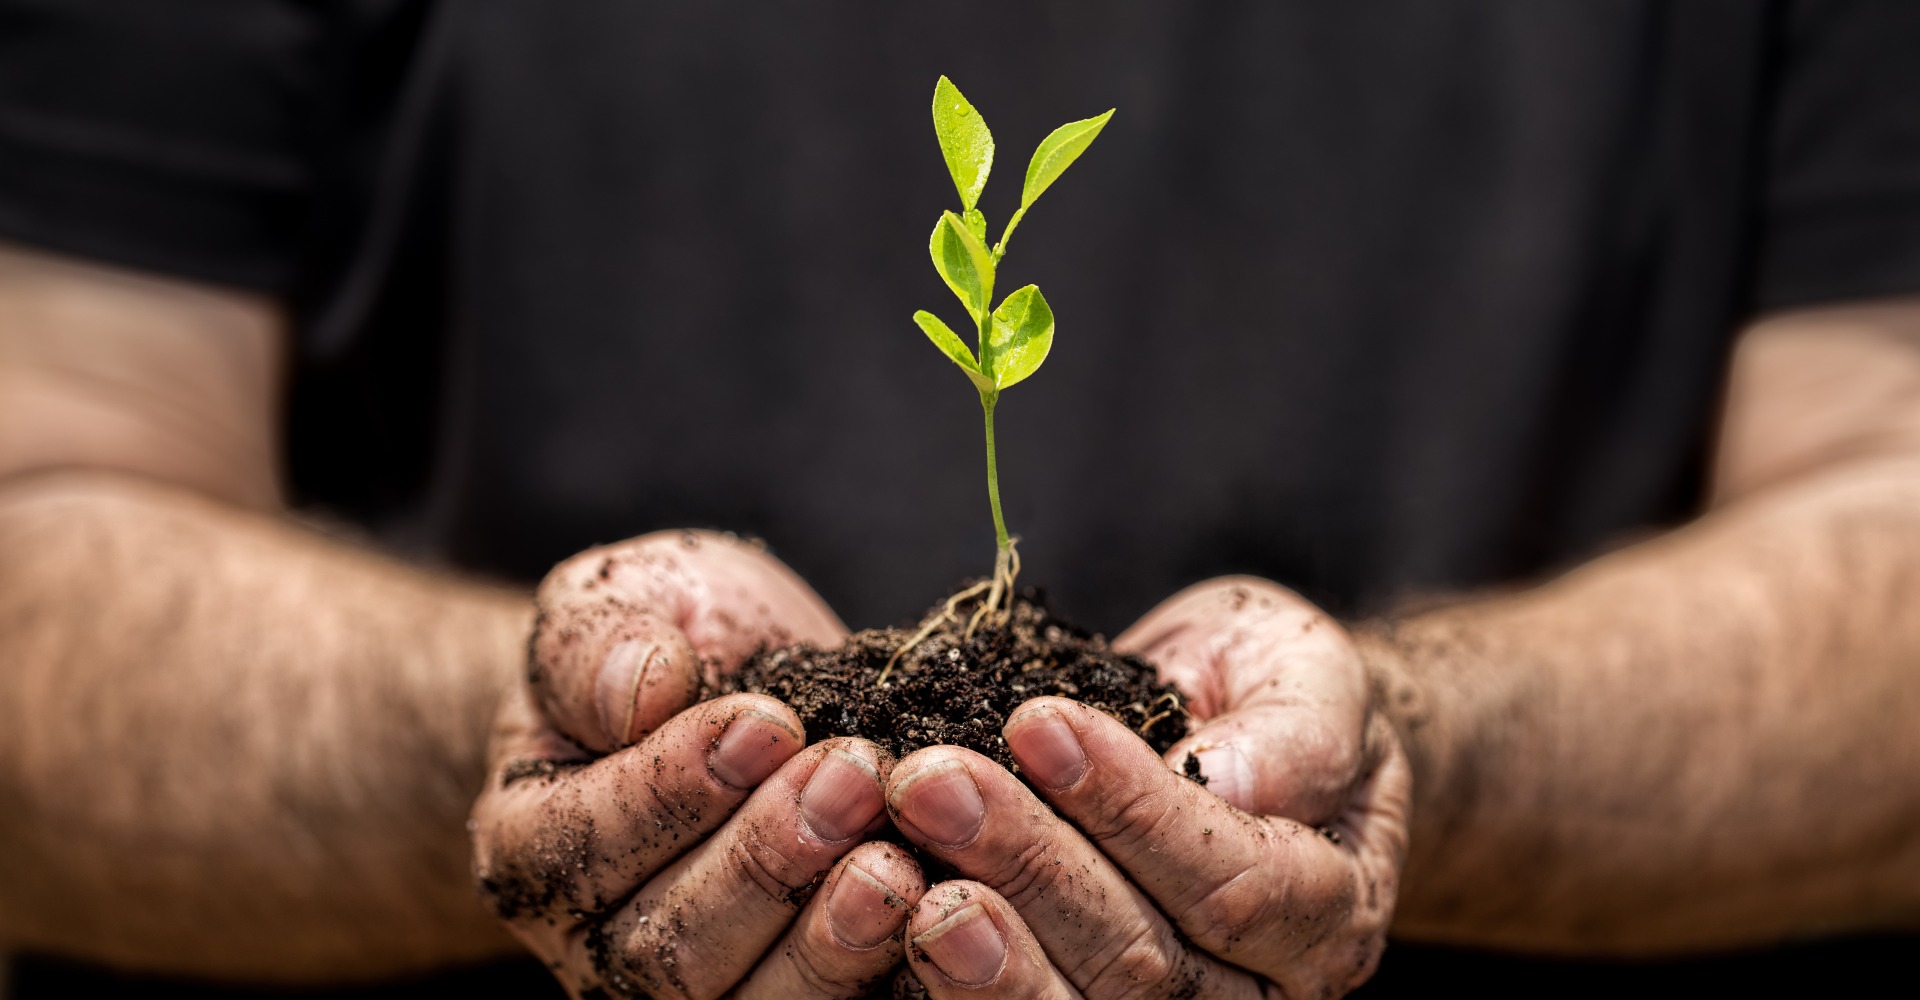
column 821, row 982
column 1144, row 960
column 1130, row 822
column 1028, row 873
column 1226, row 916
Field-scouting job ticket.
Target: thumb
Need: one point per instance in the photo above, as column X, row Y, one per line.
column 607, row 680
column 629, row 633
column 1279, row 692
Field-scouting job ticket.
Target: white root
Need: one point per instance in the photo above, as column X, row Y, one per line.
column 932, row 625
column 998, row 603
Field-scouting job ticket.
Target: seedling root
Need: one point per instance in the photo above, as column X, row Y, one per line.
column 1171, row 697
column 932, row 625
column 999, row 602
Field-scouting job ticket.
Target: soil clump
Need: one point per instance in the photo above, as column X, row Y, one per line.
column 951, row 689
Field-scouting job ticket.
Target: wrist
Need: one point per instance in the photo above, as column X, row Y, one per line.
column 1421, row 680
column 1402, row 693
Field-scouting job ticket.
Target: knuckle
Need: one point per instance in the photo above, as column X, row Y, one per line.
column 1137, row 814
column 757, row 861
column 1144, row 966
column 666, row 817
column 1233, row 910
column 1250, row 596
column 1366, row 960
column 1028, row 871
column 526, row 880
column 1333, row 970
column 635, row 964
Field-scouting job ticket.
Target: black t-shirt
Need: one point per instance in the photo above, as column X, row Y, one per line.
column 1378, row 299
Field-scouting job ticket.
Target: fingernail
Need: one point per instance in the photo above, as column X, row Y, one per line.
column 752, row 747
column 1229, row 774
column 617, row 687
column 1047, row 748
column 863, row 911
column 966, row 947
column 944, row 803
column 842, row 798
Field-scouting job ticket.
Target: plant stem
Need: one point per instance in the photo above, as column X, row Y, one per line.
column 993, row 474
column 1000, row 248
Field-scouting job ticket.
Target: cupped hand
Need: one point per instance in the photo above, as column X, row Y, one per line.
column 1276, row 879
column 644, row 848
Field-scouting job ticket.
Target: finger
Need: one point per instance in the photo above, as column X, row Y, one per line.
column 1296, row 761
column 1257, row 891
column 848, row 938
column 1274, row 679
column 607, row 679
column 700, row 926
column 555, row 833
column 628, row 633
column 1104, row 936
column 966, row 941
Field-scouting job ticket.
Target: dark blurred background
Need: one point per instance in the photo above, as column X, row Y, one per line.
column 1384, row 300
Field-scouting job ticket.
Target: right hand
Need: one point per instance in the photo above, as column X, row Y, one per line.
column 644, row 848
column 1278, row 878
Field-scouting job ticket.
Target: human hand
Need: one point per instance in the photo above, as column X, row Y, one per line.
column 643, row 848
column 1277, row 879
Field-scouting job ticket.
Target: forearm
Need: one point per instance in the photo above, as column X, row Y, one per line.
column 229, row 746
column 1707, row 739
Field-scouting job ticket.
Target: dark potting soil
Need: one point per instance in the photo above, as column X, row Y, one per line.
column 950, row 689
column 954, row 690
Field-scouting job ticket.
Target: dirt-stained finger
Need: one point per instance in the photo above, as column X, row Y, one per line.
column 627, row 633
column 847, row 940
column 964, row 940
column 1282, row 699
column 1098, row 930
column 558, row 835
column 1257, row 891
column 607, row 676
column 701, row 925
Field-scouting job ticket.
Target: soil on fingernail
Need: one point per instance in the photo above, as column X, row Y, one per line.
column 950, row 689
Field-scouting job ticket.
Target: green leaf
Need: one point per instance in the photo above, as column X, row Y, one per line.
column 976, row 220
column 964, row 141
column 1057, row 152
column 963, row 261
column 953, row 347
column 1022, row 335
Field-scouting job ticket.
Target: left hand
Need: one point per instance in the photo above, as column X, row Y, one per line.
column 1277, row 878
column 642, row 847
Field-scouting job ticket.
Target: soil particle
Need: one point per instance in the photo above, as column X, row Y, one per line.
column 949, row 689
column 545, row 770
column 954, row 690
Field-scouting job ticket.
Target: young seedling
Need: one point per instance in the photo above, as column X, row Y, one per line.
column 1012, row 338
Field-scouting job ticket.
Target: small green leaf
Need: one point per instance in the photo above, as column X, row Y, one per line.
column 963, row 261
column 976, row 220
column 964, row 141
column 953, row 347
column 1057, row 152
column 1022, row 335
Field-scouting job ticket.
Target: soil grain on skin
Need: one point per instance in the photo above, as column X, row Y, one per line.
column 950, row 689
